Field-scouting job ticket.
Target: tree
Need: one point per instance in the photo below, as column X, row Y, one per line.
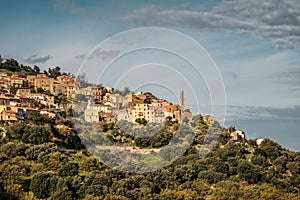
column 4, row 194
column 40, row 185
column 82, row 81
column 259, row 160
column 13, row 90
column 249, row 172
column 8, row 149
column 40, row 90
column 17, row 129
column 11, row 65
column 141, row 121
column 294, row 167
column 38, row 119
column 36, row 135
column 144, row 121
column 221, row 166
column 62, row 194
column 54, row 72
column 36, row 69
column 226, row 190
column 268, row 149
column 224, row 138
column 68, row 169
column 168, row 120
column 211, row 176
column 160, row 139
column 46, row 73
column 142, row 142
column 95, row 183
column 63, row 114
column 33, row 152
column 89, row 164
column 123, row 92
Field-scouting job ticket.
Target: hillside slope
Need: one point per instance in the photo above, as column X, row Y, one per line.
column 62, row 169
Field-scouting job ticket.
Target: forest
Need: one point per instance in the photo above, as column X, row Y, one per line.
column 41, row 161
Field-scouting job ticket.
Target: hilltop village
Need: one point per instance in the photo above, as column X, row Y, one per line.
column 20, row 96
column 25, row 90
column 51, row 93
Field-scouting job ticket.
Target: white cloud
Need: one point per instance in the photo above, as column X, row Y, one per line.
column 277, row 21
column 36, row 59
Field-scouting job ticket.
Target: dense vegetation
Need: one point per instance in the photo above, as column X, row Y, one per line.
column 43, row 161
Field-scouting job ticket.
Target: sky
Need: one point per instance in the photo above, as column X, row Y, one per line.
column 254, row 46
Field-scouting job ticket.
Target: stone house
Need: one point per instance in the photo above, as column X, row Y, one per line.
column 43, row 81
column 16, row 82
column 8, row 115
column 238, row 135
column 208, row 120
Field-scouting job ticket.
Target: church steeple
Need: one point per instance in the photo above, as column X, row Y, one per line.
column 182, row 100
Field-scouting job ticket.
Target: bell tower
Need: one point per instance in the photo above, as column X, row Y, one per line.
column 182, row 100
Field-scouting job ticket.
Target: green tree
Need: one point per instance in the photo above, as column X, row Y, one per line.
column 68, row 169
column 11, row 65
column 54, row 72
column 249, row 172
column 33, row 152
column 89, row 164
column 259, row 160
column 40, row 185
column 294, row 167
column 269, row 149
column 141, row 121
column 36, row 135
column 211, row 176
column 4, row 194
column 38, row 119
column 37, row 70
column 40, row 90
column 62, row 194
column 13, row 90
column 8, row 149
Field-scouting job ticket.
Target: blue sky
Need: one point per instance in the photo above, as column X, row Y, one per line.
column 255, row 44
